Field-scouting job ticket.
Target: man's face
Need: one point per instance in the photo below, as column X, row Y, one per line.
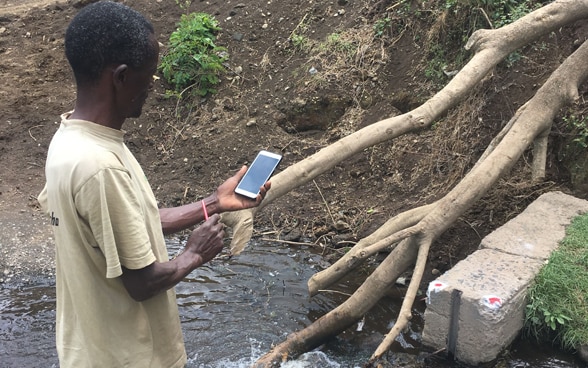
column 140, row 81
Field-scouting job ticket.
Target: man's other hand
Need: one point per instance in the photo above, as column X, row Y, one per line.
column 206, row 240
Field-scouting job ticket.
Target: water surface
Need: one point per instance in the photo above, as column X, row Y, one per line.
column 234, row 310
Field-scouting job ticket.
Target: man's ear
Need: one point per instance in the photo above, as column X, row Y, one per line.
column 120, row 75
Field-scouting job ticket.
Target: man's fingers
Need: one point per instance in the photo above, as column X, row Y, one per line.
column 241, row 172
column 263, row 189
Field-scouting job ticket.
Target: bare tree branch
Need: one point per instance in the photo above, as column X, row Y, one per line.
column 530, row 121
column 491, row 46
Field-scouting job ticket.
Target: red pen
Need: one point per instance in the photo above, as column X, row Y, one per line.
column 204, row 210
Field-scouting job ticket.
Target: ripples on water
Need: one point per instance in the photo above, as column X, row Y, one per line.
column 232, row 312
column 27, row 324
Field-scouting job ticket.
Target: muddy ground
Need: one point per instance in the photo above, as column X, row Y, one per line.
column 268, row 99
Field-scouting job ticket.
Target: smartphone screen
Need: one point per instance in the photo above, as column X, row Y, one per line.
column 258, row 173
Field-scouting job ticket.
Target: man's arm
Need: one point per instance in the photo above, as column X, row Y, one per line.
column 204, row 244
column 180, row 218
column 223, row 199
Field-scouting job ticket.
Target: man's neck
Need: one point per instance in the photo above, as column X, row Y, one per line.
column 95, row 108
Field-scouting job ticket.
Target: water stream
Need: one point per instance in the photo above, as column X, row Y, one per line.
column 233, row 310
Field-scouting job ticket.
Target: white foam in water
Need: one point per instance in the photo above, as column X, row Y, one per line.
column 311, row 359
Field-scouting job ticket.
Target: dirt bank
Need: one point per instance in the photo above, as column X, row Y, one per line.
column 187, row 156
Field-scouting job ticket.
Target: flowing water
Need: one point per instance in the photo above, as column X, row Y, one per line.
column 233, row 310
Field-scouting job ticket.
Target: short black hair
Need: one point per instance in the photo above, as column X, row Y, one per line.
column 107, row 33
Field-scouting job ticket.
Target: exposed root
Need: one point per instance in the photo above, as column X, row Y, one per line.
column 405, row 315
column 417, row 231
column 367, row 247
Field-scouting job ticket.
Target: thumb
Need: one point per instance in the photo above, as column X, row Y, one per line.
column 241, row 172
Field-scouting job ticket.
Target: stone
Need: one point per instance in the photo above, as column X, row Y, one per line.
column 491, row 313
column 494, row 280
column 537, row 230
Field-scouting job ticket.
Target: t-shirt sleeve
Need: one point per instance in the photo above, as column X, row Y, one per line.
column 42, row 199
column 112, row 210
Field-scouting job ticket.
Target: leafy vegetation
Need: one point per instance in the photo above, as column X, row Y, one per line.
column 457, row 20
column 499, row 12
column 193, row 61
column 300, row 41
column 558, row 300
column 579, row 127
column 380, row 27
column 298, row 38
column 338, row 43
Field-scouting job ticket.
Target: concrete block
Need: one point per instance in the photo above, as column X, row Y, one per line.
column 494, row 280
column 491, row 312
column 537, row 231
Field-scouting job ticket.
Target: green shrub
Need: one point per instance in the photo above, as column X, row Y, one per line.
column 557, row 309
column 193, row 61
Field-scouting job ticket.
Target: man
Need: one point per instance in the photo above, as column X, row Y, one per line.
column 116, row 305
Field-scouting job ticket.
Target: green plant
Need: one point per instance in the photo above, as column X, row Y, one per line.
column 500, row 12
column 299, row 41
column 297, row 37
column 381, row 26
column 579, row 127
column 557, row 309
column 512, row 58
column 436, row 63
column 553, row 320
column 193, row 61
column 337, row 43
column 507, row 11
column 458, row 19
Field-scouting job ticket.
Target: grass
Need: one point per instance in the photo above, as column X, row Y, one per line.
column 558, row 300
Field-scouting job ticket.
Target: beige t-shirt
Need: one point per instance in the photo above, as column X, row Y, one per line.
column 104, row 216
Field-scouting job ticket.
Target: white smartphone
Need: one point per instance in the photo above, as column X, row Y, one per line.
column 258, row 173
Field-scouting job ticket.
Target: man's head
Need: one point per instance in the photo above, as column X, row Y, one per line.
column 113, row 53
column 107, row 34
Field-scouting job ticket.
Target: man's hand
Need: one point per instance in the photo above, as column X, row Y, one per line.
column 228, row 200
column 204, row 244
column 206, row 241
column 223, row 199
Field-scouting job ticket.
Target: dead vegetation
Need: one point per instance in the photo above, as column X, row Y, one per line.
column 409, row 235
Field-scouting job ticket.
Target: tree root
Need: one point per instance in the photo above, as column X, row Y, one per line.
column 418, row 228
column 405, row 315
column 342, row 317
column 382, row 238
